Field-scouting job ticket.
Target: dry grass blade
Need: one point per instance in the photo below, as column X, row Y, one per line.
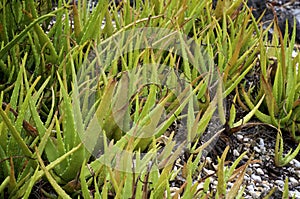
column 233, row 192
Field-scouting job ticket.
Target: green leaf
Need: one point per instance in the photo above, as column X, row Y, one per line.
column 270, row 193
column 233, row 192
column 278, row 85
column 250, row 114
column 221, row 187
column 238, row 80
column 89, row 30
column 15, row 134
column 31, row 183
column 232, row 113
column 51, row 180
column 17, row 38
column 84, row 186
column 4, row 184
column 261, row 116
column 280, row 160
column 285, row 194
column 77, row 26
column 70, row 136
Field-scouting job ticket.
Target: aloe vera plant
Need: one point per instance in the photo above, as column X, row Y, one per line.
column 92, row 110
column 280, row 159
column 236, row 53
column 225, row 173
column 279, row 77
column 20, row 135
column 14, row 139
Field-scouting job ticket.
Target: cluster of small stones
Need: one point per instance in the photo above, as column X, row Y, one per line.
column 262, row 175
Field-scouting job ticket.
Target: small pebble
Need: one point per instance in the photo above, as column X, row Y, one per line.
column 260, row 188
column 293, row 181
column 256, row 178
column 266, row 176
column 246, row 139
column 296, row 163
column 261, row 142
column 257, row 149
column 260, row 171
column 265, row 184
column 246, row 177
column 239, row 137
column 208, row 172
column 256, row 165
column 209, row 160
column 294, row 54
column 263, row 150
column 229, row 184
column 249, row 171
column 200, row 186
column 279, row 183
column 236, row 153
column 254, row 194
column 291, row 170
column 250, row 187
column 297, row 173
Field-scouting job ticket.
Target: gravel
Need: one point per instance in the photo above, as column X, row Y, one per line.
column 262, row 176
